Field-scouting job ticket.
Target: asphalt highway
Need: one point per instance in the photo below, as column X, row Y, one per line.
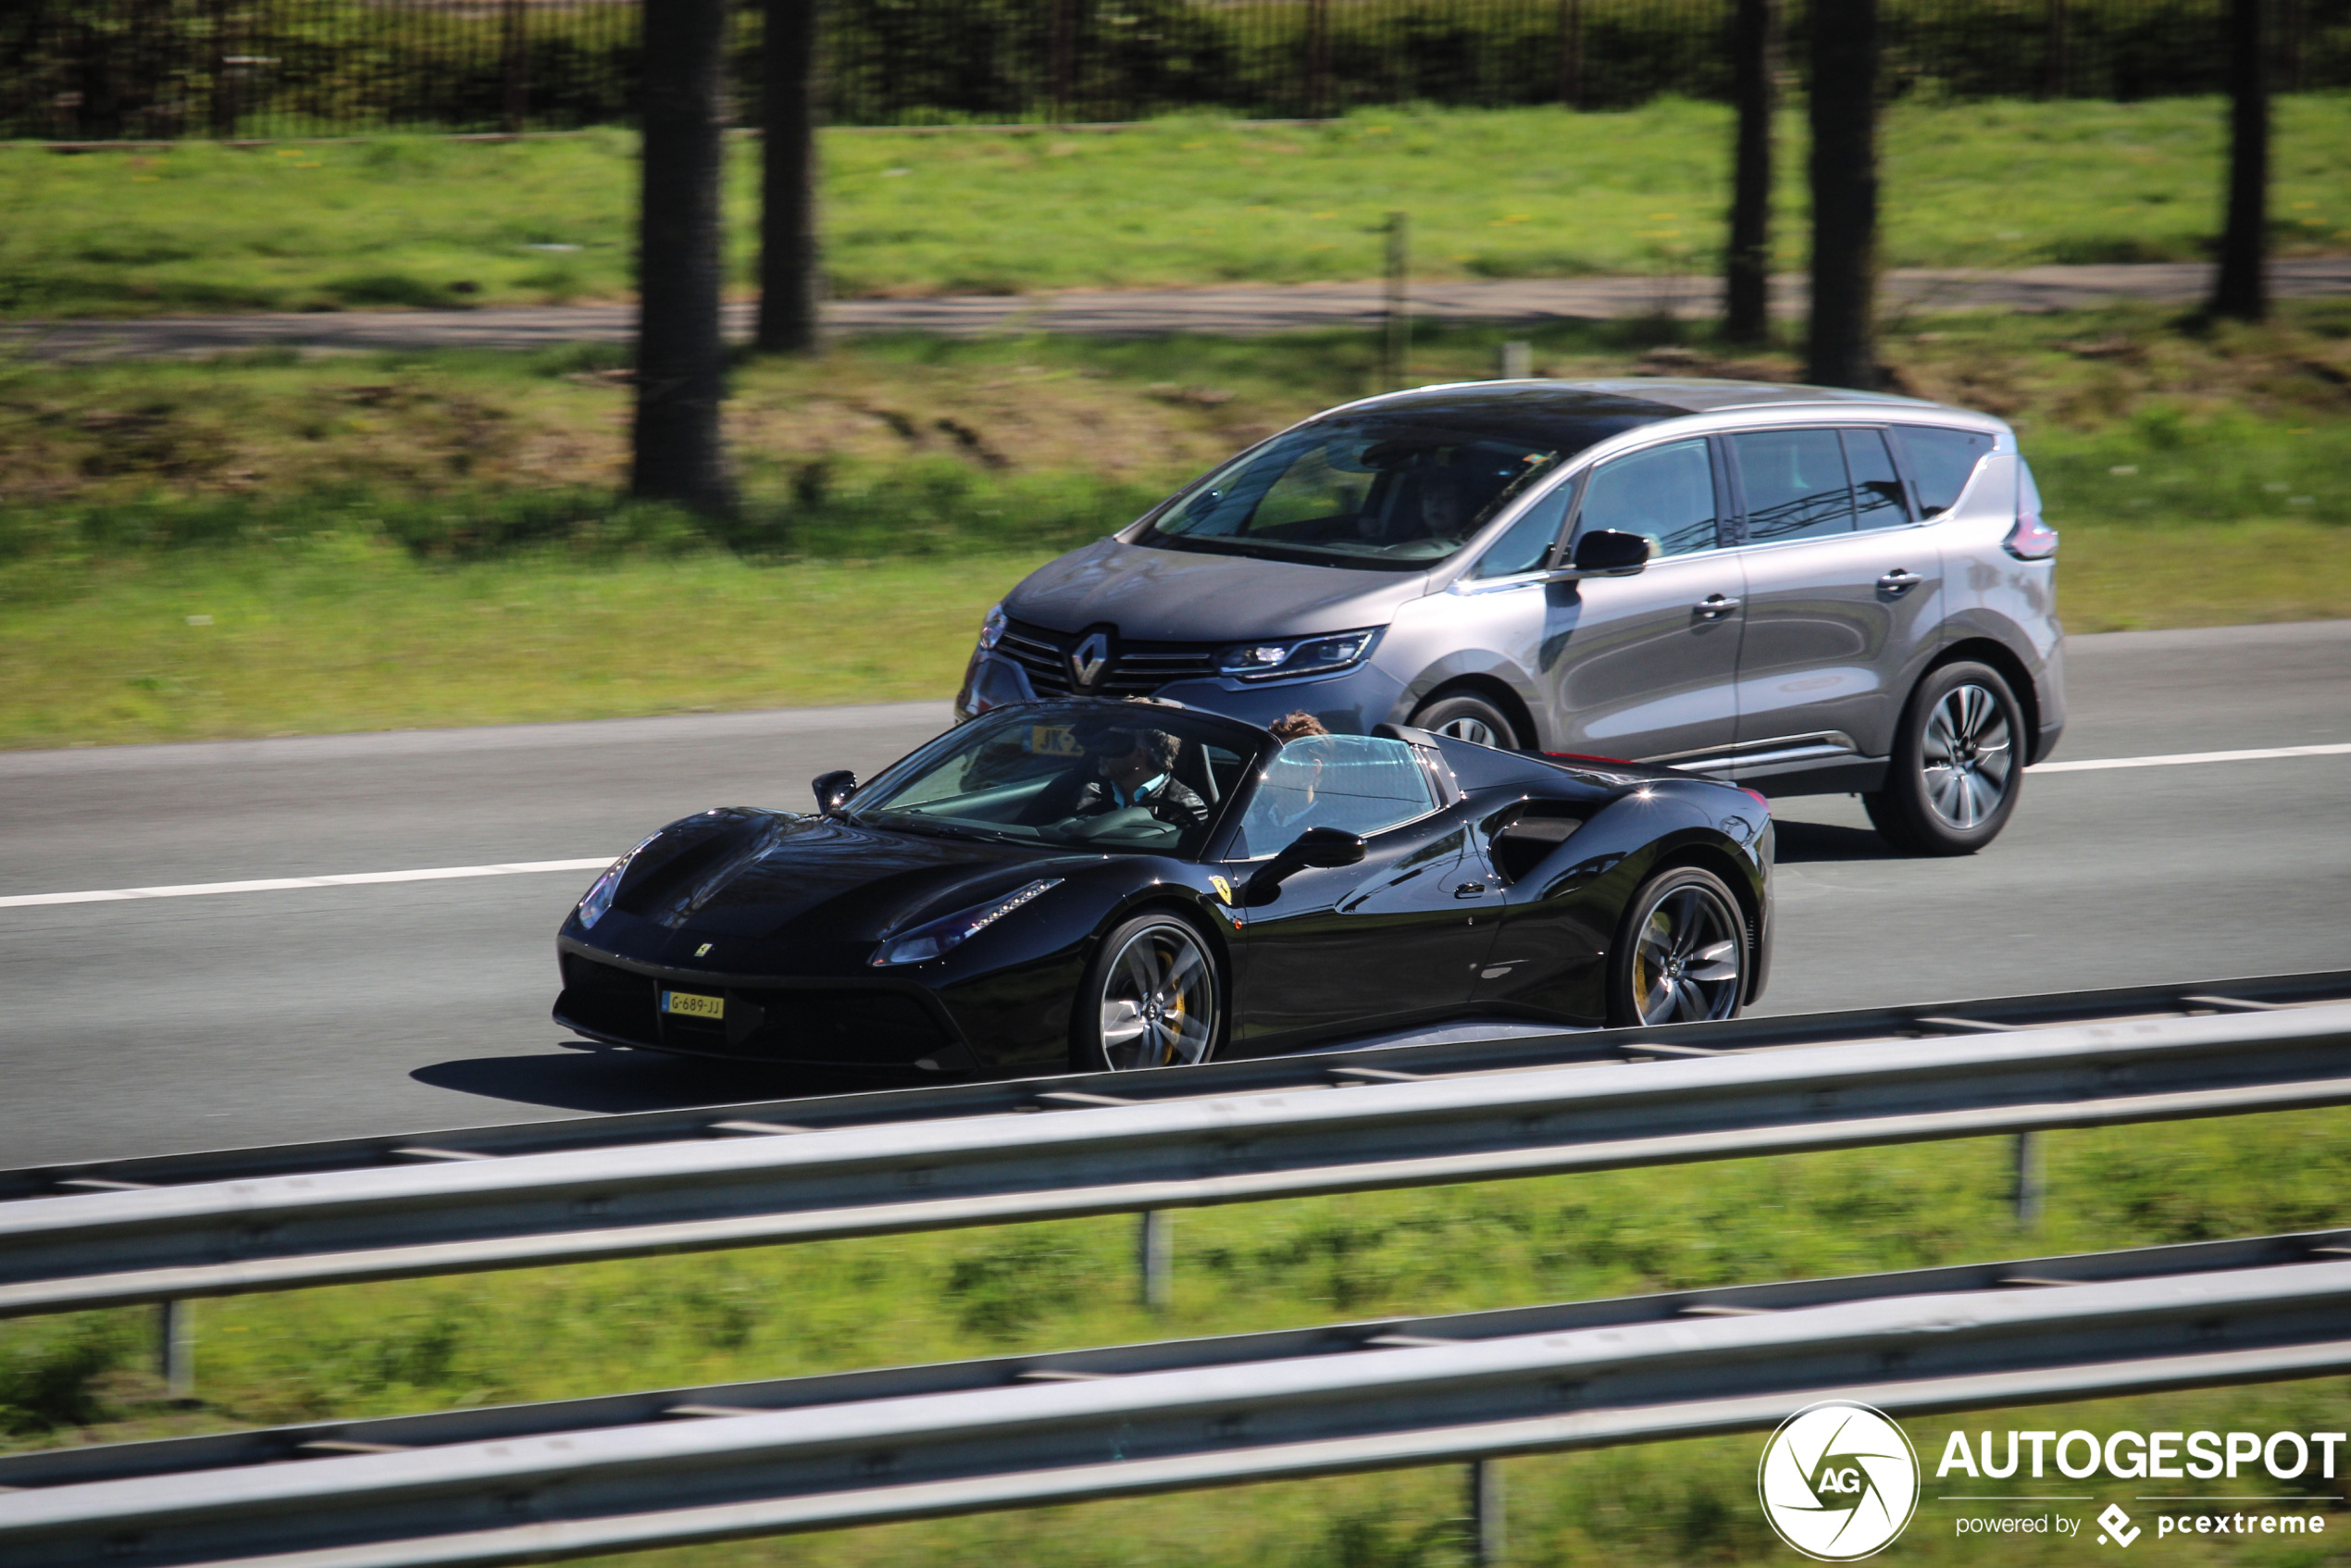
column 144, row 1025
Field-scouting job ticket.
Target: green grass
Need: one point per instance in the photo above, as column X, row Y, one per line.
column 381, row 1348
column 344, row 632
column 414, row 221
column 434, row 539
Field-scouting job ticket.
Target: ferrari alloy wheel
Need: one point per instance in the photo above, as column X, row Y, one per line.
column 1469, row 718
column 1957, row 765
column 1681, row 957
column 1151, row 998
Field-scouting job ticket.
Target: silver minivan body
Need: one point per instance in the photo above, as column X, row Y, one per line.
column 1782, row 662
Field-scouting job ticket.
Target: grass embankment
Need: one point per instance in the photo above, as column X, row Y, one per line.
column 416, row 221
column 556, row 1333
column 260, row 546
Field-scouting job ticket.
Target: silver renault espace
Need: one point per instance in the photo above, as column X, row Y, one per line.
column 1801, row 590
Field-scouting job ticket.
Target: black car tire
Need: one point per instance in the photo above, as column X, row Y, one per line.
column 1958, row 764
column 1165, row 1018
column 1466, row 717
column 1681, row 954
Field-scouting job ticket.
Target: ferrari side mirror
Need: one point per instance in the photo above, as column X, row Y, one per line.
column 833, row 790
column 1320, row 847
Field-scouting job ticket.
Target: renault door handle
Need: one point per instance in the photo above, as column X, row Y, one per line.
column 1899, row 581
column 1714, row 606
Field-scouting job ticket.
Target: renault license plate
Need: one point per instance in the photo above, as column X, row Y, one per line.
column 688, row 1005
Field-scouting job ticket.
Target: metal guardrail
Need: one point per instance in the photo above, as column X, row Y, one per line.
column 1225, row 1133
column 529, row 1483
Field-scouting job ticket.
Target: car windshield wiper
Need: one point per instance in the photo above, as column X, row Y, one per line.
column 915, row 822
column 1300, row 554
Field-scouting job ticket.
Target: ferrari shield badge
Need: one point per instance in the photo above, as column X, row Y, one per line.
column 703, row 951
column 1223, row 888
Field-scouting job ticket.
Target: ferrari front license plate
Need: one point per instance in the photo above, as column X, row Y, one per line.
column 687, row 1004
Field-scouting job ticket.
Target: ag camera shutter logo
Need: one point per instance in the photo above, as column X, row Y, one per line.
column 1839, row 1481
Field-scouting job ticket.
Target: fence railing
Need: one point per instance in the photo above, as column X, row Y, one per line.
column 539, row 1482
column 111, row 70
column 1222, row 1133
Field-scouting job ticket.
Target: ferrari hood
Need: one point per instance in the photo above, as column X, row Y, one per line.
column 780, row 875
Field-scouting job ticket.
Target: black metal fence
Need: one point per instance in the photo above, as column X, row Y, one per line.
column 109, row 69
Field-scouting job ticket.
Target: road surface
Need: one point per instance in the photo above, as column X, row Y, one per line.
column 144, row 1025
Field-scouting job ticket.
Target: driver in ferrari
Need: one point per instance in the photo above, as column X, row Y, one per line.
column 1127, row 769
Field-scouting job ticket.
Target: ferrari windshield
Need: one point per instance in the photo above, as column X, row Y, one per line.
column 1097, row 776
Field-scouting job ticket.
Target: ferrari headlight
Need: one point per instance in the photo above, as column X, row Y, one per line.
column 1296, row 655
column 949, row 931
column 597, row 901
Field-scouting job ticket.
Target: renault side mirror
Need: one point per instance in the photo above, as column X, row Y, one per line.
column 1323, row 847
column 833, row 790
column 1607, row 553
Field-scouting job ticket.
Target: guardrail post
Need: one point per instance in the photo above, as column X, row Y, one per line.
column 1396, row 351
column 1154, row 1256
column 1486, row 1538
column 2032, row 1184
column 1517, row 360
column 176, row 1348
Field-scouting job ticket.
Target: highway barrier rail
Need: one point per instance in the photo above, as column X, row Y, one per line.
column 536, row 1481
column 193, row 1226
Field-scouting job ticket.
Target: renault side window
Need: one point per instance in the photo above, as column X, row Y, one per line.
column 1796, row 484
column 1942, row 462
column 1665, row 495
column 1526, row 544
column 1878, row 501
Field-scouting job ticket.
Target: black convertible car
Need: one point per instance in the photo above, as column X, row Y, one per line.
column 1093, row 883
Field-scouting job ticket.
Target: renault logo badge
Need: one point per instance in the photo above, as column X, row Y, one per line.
column 1089, row 659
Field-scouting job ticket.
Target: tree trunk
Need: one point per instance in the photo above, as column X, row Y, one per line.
column 1841, row 348
column 681, row 366
column 1318, row 59
column 2239, row 290
column 790, row 284
column 2057, row 78
column 1572, row 54
column 515, row 45
column 1747, row 263
column 1064, row 62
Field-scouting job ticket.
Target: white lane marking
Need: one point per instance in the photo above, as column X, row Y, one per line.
column 2182, row 759
column 524, row 867
column 279, row 884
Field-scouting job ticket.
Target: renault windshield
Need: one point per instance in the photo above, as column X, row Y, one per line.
column 1374, row 491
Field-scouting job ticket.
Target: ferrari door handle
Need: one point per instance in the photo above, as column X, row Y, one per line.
column 1899, row 581
column 1714, row 606
column 1470, row 891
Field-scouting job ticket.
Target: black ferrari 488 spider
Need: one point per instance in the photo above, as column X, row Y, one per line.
column 1094, row 883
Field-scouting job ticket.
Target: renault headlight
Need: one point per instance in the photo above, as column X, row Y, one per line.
column 1295, row 656
column 597, row 901
column 991, row 627
column 951, row 931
